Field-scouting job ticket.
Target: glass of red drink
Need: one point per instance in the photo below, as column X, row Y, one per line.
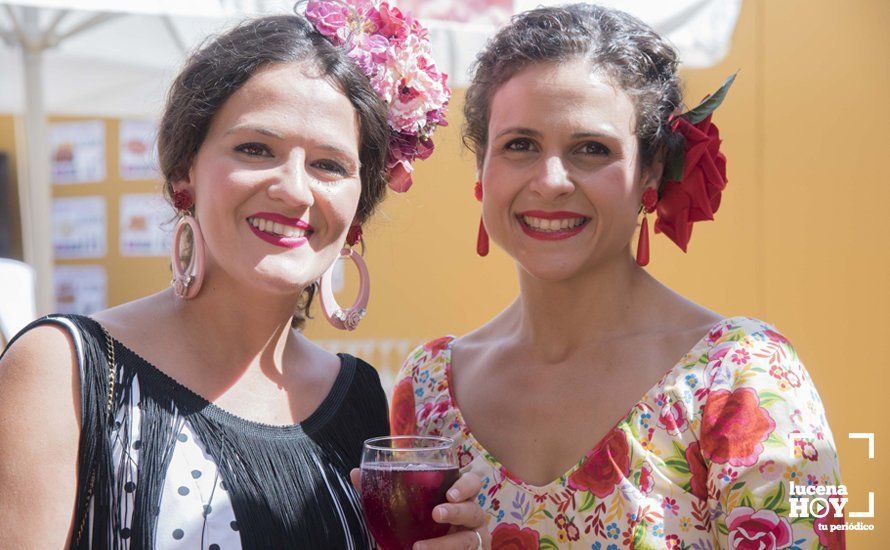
column 403, row 479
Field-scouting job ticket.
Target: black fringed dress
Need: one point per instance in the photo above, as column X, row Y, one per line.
column 172, row 470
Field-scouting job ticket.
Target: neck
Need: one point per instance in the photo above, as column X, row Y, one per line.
column 235, row 327
column 556, row 319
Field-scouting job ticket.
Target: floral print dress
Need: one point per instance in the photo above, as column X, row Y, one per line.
column 703, row 460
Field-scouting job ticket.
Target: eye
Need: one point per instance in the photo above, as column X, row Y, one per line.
column 594, row 148
column 331, row 166
column 254, row 150
column 521, row 144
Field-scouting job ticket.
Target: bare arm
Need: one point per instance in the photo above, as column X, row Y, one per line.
column 39, row 435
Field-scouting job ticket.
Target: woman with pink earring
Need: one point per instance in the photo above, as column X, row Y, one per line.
column 575, row 117
column 198, row 417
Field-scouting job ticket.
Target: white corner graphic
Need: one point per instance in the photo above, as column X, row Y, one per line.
column 871, row 442
column 871, row 508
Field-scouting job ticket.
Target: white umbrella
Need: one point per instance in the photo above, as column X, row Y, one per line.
column 116, row 58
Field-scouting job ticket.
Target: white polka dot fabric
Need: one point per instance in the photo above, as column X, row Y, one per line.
column 195, row 510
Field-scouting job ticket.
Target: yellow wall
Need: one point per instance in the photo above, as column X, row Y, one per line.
column 801, row 238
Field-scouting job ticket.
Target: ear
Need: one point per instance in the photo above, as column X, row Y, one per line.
column 184, row 182
column 651, row 175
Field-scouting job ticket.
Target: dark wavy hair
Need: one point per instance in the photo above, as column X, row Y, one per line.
column 640, row 61
column 219, row 68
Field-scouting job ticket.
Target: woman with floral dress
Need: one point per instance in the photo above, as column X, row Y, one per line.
column 575, row 116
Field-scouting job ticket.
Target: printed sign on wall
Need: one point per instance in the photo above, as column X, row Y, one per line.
column 79, row 227
column 77, row 151
column 80, row 289
column 145, row 225
column 137, row 150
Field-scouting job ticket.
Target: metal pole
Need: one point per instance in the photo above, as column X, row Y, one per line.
column 36, row 219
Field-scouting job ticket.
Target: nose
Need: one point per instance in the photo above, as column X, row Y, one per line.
column 551, row 180
column 293, row 184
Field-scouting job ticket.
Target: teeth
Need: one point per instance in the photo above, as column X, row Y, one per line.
column 275, row 228
column 542, row 224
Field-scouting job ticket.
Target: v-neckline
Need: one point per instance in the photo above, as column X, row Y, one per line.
column 495, row 463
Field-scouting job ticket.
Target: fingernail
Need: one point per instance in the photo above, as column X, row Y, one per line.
column 442, row 513
column 453, row 494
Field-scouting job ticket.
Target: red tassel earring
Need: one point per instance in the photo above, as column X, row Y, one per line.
column 482, row 238
column 650, row 199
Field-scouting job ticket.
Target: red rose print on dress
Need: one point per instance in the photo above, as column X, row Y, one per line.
column 734, row 427
column 401, row 414
column 673, row 418
column 508, row 536
column 698, row 470
column 430, row 412
column 776, row 337
column 646, row 481
column 757, row 530
column 437, row 345
column 606, row 466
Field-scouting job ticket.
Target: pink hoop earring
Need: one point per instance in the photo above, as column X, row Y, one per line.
column 186, row 283
column 349, row 318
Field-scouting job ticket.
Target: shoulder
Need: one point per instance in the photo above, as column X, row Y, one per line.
column 366, row 374
column 44, row 351
column 741, row 348
column 141, row 320
column 431, row 356
column 757, row 385
column 40, row 394
column 422, row 379
column 41, row 369
column 366, row 391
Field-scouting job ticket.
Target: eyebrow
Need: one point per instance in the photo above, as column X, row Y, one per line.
column 272, row 133
column 252, row 128
column 534, row 133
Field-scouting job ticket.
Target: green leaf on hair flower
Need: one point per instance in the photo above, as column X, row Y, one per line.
column 547, row 542
column 710, row 103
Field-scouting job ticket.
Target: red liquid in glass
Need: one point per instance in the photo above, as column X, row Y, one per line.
column 399, row 498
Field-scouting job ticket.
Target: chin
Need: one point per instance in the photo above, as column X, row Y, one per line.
column 552, row 269
column 282, row 281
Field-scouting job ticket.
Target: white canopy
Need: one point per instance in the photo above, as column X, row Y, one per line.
column 117, row 57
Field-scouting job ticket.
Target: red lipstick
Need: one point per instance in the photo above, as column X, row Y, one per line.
column 281, row 240
column 555, row 234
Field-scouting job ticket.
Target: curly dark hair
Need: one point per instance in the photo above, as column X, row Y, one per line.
column 219, row 68
column 640, row 61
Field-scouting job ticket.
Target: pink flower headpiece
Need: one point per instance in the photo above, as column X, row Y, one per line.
column 394, row 51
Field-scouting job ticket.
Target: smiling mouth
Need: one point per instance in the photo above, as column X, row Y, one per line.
column 276, row 229
column 565, row 226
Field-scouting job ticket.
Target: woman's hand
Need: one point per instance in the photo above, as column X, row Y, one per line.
column 461, row 511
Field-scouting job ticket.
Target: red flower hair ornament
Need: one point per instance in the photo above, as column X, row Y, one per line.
column 695, row 172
